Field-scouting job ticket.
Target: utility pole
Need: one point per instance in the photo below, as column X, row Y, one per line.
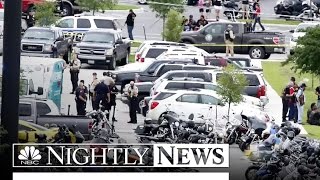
column 11, row 75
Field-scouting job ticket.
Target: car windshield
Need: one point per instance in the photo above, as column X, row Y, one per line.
column 39, row 34
column 1, row 15
column 98, row 37
column 305, row 27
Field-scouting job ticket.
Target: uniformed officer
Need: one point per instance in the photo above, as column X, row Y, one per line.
column 93, row 84
column 75, row 65
column 228, row 39
column 81, row 98
column 30, row 19
column 101, row 95
column 133, row 102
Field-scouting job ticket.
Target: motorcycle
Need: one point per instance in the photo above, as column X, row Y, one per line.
column 234, row 132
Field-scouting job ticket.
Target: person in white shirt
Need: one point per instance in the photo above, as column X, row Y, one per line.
column 301, row 99
column 107, row 79
column 93, row 84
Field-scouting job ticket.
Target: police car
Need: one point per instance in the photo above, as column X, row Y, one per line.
column 77, row 25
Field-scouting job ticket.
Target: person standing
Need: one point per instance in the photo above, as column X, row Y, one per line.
column 101, row 95
column 228, row 39
column 113, row 95
column 133, row 102
column 318, row 94
column 30, row 19
column 130, row 23
column 208, row 4
column 75, row 65
column 301, row 99
column 285, row 102
column 217, row 7
column 192, row 23
column 200, row 6
column 293, row 111
column 245, row 9
column 81, row 98
column 257, row 18
column 93, row 85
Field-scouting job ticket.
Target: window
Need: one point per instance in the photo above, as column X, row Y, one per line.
column 174, row 85
column 215, row 29
column 60, row 33
column 252, row 80
column 175, row 75
column 24, row 128
column 198, row 68
column 206, row 99
column 66, row 23
column 235, row 28
column 104, row 24
column 206, row 77
column 25, row 109
column 167, row 68
column 189, row 98
column 154, row 53
column 153, row 67
column 211, row 87
column 98, row 37
column 43, row 108
column 163, row 95
column 83, row 23
column 39, row 34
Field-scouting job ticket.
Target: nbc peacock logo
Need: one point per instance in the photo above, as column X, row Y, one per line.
column 29, row 156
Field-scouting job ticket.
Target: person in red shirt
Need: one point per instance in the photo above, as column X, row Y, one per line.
column 293, row 111
column 257, row 18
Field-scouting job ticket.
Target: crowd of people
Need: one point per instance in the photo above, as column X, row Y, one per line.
column 101, row 92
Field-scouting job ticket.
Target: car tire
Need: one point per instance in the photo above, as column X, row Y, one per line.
column 257, row 52
column 250, row 173
column 67, row 10
column 125, row 60
column 112, row 64
column 267, row 56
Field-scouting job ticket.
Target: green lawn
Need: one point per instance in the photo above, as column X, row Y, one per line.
column 131, row 58
column 275, row 21
column 135, row 44
column 125, row 7
column 279, row 76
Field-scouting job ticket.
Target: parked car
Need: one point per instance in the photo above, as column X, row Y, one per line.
column 123, row 75
column 46, row 42
column 291, row 7
column 103, row 47
column 300, row 31
column 149, row 43
column 75, row 26
column 259, row 45
column 42, row 112
column 185, row 102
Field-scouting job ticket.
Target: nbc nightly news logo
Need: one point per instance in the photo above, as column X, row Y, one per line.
column 115, row 155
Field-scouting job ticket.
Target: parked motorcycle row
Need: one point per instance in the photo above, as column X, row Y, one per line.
column 300, row 9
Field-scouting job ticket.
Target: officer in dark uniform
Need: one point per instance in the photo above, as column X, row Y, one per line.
column 30, row 19
column 101, row 95
column 113, row 93
column 81, row 98
column 133, row 102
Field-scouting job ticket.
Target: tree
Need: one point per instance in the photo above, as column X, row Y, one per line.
column 231, row 85
column 45, row 13
column 162, row 8
column 96, row 5
column 173, row 26
column 306, row 57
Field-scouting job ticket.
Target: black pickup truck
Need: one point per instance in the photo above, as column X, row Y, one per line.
column 46, row 42
column 45, row 112
column 259, row 45
column 123, row 75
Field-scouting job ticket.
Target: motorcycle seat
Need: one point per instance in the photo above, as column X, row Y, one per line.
column 153, row 126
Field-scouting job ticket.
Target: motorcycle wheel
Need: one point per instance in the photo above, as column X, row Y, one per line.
column 251, row 172
column 243, row 146
column 232, row 139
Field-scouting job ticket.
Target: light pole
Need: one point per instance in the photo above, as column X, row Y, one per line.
column 11, row 74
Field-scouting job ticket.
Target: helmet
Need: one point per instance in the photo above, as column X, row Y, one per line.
column 286, row 160
column 201, row 129
column 274, row 159
column 297, row 131
column 303, row 170
column 291, row 135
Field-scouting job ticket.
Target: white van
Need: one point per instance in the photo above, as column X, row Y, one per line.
column 46, row 75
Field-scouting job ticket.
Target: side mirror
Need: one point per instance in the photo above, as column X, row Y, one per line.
column 291, row 31
column 40, row 91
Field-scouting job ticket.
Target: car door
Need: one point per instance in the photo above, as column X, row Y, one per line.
column 186, row 104
column 118, row 49
column 215, row 108
column 59, row 43
column 67, row 26
column 212, row 34
column 123, row 46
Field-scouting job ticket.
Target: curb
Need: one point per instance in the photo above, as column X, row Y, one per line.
column 135, row 10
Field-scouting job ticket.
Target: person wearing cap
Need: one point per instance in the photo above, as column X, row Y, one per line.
column 107, row 79
column 133, row 102
column 228, row 39
column 92, row 86
column 130, row 23
column 81, row 98
column 301, row 99
column 101, row 95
